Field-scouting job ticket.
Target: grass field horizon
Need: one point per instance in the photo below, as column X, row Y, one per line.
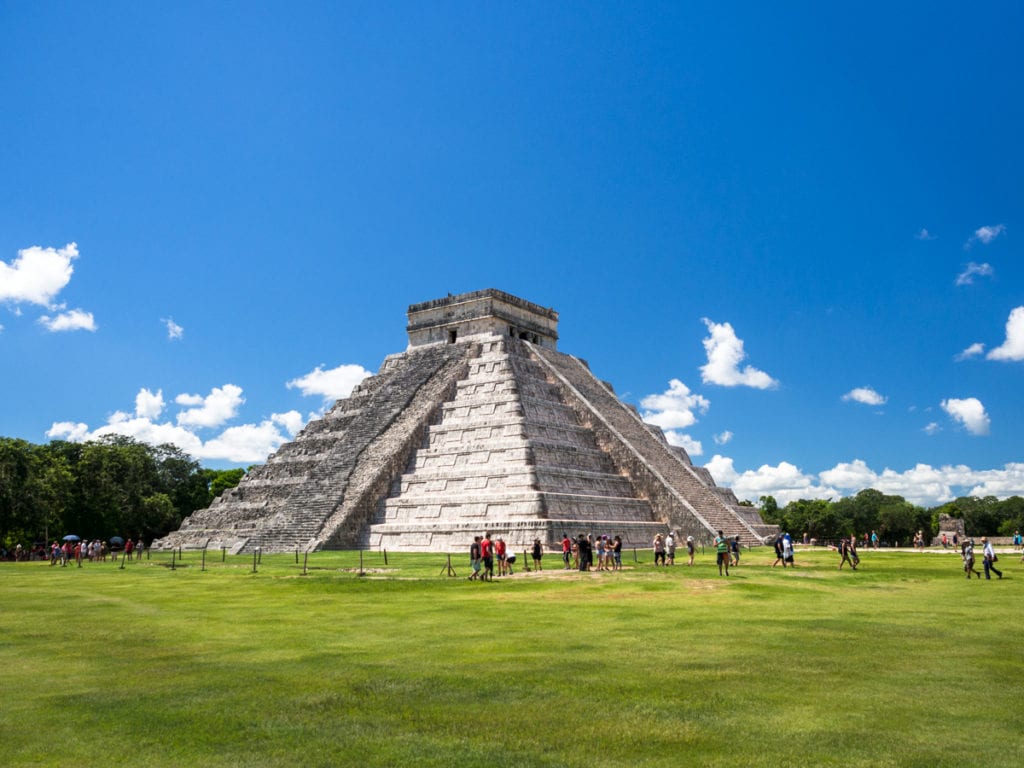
column 902, row 663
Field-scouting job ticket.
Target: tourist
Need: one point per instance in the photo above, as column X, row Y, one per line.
column 779, row 556
column 601, row 554
column 583, row 552
column 510, row 559
column 474, row 558
column 128, row 547
column 1016, row 540
column 691, row 549
column 787, row 549
column 854, row 557
column 566, row 552
column 500, row 553
column 659, row 549
column 874, row 540
column 538, row 553
column 722, row 553
column 617, row 552
column 670, row 548
column 967, row 553
column 734, row 549
column 844, row 551
column 487, row 555
column 988, row 559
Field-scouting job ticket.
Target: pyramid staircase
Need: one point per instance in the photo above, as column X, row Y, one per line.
column 507, row 455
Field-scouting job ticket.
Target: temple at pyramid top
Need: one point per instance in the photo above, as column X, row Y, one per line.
column 480, row 425
column 488, row 312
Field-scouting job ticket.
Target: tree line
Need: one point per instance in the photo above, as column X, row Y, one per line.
column 894, row 518
column 114, row 486
column 117, row 486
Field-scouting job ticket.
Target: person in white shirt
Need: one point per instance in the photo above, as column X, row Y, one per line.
column 988, row 559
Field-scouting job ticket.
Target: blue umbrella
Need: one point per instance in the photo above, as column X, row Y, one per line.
column 116, row 540
column 72, row 537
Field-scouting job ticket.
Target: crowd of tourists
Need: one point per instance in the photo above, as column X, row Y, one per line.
column 75, row 550
column 94, row 551
column 589, row 552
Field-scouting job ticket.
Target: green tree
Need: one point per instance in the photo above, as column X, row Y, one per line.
column 770, row 510
column 220, row 480
column 158, row 516
column 181, row 479
column 52, row 491
column 897, row 522
column 811, row 516
column 15, row 475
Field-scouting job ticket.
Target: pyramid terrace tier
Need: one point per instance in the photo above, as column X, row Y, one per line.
column 540, row 505
column 427, row 483
column 573, row 435
column 516, row 450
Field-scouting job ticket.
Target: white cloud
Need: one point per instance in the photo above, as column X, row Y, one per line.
column 292, row 421
column 1013, row 348
column 932, row 428
column 148, row 405
column 213, row 410
column 76, row 432
column 971, row 271
column 684, row 441
column 785, row 481
column 674, row 408
column 75, row 320
column 723, row 438
column 924, row 234
column 852, row 475
column 865, row 395
column 1002, row 483
column 245, row 443
column 725, row 353
column 332, row 384
column 141, row 429
column 174, row 331
column 985, row 235
column 37, row 275
column 970, row 412
column 974, row 350
column 923, row 484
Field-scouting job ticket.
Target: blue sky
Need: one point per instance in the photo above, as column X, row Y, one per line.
column 788, row 232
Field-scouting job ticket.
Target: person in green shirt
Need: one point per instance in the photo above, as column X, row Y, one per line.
column 722, row 548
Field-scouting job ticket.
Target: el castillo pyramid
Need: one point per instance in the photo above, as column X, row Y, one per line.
column 480, row 425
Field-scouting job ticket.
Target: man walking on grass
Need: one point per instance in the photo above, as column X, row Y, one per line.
column 474, row 558
column 988, row 559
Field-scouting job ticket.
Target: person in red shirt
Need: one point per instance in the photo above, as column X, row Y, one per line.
column 500, row 552
column 566, row 551
column 487, row 555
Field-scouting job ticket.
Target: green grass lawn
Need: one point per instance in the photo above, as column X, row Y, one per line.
column 903, row 663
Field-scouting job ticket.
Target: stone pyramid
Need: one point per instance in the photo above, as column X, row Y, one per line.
column 480, row 425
